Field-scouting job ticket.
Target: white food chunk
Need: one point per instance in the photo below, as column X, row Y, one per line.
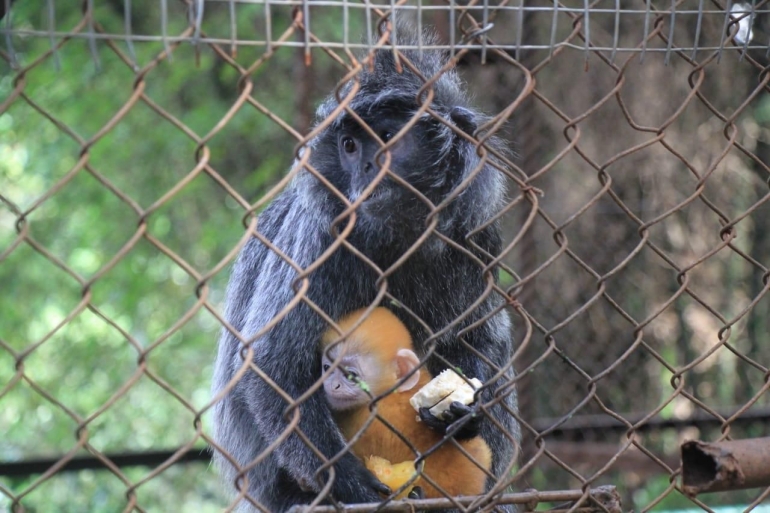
column 443, row 390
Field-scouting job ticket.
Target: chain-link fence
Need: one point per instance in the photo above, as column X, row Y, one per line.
column 143, row 145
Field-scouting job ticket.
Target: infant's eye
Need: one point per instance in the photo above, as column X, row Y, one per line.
column 386, row 136
column 348, row 144
column 351, row 375
column 326, row 367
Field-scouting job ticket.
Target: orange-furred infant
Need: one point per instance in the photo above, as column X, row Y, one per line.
column 379, row 353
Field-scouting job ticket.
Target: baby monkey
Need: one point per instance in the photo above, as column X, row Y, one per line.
column 376, row 356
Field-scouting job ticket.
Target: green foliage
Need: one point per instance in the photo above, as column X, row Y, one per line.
column 122, row 321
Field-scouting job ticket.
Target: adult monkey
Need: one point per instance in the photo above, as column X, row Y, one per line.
column 438, row 282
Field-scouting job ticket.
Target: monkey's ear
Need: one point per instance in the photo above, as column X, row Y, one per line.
column 406, row 360
column 464, row 119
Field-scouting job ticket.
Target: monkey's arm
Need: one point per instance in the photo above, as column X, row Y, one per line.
column 352, row 482
column 287, row 354
column 494, row 340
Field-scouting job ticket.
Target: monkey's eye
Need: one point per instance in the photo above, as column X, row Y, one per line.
column 326, row 367
column 351, row 375
column 348, row 144
column 386, row 136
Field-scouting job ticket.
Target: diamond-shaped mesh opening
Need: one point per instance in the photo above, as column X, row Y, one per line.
column 618, row 284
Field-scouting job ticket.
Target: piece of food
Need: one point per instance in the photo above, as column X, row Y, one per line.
column 442, row 391
column 393, row 475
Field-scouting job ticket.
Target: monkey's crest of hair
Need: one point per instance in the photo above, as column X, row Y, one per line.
column 382, row 82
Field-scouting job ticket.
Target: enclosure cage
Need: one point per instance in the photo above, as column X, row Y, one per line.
column 140, row 140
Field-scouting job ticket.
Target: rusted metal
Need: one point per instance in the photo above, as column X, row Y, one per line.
column 602, row 498
column 727, row 465
column 654, row 197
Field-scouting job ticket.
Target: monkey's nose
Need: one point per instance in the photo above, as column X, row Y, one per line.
column 337, row 386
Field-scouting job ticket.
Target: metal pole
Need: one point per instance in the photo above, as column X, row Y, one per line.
column 728, row 465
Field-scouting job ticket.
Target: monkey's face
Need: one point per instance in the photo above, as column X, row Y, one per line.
column 399, row 165
column 400, row 173
column 350, row 384
column 364, row 160
column 379, row 167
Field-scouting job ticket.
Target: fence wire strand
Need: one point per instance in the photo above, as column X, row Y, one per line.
column 742, row 18
column 634, row 262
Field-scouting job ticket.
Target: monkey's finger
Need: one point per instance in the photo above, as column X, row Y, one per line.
column 448, row 418
column 416, row 493
column 381, row 487
column 458, row 409
column 468, row 425
column 432, row 421
column 455, row 412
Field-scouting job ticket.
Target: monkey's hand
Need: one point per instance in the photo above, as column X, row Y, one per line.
column 465, row 419
column 363, row 478
column 377, row 485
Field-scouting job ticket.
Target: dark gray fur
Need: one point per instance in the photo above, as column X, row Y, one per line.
column 437, row 282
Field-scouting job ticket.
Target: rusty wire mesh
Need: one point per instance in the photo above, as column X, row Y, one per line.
column 636, row 232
